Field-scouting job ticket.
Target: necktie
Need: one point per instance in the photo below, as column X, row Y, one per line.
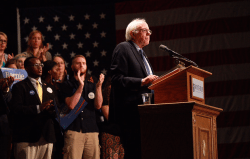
column 39, row 91
column 149, row 72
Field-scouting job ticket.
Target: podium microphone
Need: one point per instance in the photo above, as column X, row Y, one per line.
column 174, row 54
column 171, row 52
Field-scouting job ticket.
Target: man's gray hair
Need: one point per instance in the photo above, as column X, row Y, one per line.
column 133, row 26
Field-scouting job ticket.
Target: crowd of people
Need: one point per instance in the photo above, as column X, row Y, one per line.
column 106, row 124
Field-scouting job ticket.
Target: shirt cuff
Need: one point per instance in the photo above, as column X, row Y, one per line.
column 38, row 109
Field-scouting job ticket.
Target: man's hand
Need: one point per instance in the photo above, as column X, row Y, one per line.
column 6, row 82
column 81, row 82
column 149, row 79
column 46, row 105
column 101, row 79
column 98, row 92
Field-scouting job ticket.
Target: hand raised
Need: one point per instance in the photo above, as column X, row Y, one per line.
column 81, row 82
column 10, row 56
column 100, row 81
column 46, row 48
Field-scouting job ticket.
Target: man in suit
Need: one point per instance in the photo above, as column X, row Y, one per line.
column 131, row 74
column 5, row 136
column 32, row 114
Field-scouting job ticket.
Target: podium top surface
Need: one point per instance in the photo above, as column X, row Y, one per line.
column 180, row 104
column 191, row 69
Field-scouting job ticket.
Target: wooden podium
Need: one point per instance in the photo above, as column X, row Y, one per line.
column 179, row 124
column 180, row 85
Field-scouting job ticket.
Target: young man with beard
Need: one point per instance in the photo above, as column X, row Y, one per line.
column 81, row 136
column 32, row 114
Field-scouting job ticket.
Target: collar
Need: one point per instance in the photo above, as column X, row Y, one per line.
column 137, row 47
column 34, row 80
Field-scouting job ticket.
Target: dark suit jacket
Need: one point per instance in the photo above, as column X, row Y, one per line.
column 127, row 70
column 4, row 125
column 27, row 124
column 3, row 99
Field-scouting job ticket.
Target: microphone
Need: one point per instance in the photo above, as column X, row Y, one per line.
column 171, row 52
column 174, row 54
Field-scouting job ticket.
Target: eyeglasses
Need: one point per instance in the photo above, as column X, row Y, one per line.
column 146, row 30
column 3, row 41
column 37, row 65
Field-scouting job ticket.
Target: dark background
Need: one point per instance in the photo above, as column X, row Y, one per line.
column 8, row 14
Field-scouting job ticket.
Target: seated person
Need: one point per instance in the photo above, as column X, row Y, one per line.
column 20, row 58
column 11, row 64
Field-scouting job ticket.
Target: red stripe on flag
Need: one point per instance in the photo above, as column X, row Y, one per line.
column 156, row 5
column 234, row 150
column 233, row 119
column 227, row 88
column 213, row 58
column 194, row 29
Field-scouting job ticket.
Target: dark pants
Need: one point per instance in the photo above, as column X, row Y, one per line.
column 5, row 137
column 131, row 140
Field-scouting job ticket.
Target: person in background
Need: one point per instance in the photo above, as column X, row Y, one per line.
column 20, row 58
column 50, row 75
column 3, row 45
column 111, row 146
column 131, row 75
column 81, row 136
column 61, row 68
column 35, row 47
column 32, row 113
column 5, row 133
column 11, row 64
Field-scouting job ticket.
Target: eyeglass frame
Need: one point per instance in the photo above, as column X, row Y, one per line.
column 145, row 30
column 3, row 41
column 37, row 65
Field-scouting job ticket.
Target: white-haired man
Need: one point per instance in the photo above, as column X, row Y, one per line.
column 131, row 74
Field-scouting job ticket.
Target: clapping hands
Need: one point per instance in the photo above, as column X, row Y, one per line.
column 6, row 82
column 100, row 81
column 42, row 52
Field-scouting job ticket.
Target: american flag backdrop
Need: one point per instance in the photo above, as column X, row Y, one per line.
column 87, row 30
column 213, row 33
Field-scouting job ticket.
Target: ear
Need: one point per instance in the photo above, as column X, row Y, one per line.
column 132, row 34
column 49, row 72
